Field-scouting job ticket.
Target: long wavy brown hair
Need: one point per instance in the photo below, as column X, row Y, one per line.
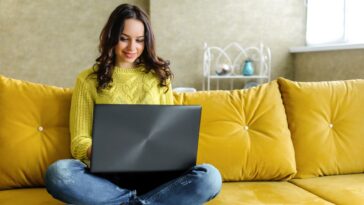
column 110, row 36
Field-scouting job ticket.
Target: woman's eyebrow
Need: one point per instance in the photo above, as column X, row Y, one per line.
column 130, row 36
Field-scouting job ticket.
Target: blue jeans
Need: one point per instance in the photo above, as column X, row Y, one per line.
column 69, row 181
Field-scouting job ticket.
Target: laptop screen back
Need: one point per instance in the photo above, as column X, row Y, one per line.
column 144, row 138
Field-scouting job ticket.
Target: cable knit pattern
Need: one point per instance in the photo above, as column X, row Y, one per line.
column 129, row 86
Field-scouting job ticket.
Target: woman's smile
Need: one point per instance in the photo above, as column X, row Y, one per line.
column 130, row 55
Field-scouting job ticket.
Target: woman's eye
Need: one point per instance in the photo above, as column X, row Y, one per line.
column 140, row 40
column 123, row 39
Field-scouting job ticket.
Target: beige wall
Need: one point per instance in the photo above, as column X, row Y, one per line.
column 329, row 65
column 181, row 28
column 51, row 41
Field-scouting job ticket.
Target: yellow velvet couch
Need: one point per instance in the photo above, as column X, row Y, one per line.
column 283, row 142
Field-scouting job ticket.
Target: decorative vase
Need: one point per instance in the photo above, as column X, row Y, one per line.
column 248, row 67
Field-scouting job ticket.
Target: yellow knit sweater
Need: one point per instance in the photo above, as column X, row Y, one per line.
column 129, row 86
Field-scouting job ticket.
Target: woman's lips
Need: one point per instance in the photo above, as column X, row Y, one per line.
column 129, row 55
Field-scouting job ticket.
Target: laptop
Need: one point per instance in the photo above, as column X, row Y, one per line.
column 144, row 138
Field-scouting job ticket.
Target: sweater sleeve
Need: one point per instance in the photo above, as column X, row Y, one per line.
column 169, row 94
column 81, row 120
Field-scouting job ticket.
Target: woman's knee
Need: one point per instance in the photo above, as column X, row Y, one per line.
column 60, row 173
column 210, row 179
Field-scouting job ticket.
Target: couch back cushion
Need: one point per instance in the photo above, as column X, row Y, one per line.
column 33, row 131
column 326, row 120
column 244, row 133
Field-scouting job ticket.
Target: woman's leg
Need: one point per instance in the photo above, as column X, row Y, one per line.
column 197, row 186
column 69, row 181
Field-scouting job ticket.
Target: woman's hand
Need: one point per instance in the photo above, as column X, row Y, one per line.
column 89, row 152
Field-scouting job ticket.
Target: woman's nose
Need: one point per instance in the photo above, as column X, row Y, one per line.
column 131, row 45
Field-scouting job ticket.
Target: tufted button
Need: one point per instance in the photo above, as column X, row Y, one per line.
column 40, row 128
column 331, row 125
column 246, row 128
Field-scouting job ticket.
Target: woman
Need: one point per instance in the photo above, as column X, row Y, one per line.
column 127, row 72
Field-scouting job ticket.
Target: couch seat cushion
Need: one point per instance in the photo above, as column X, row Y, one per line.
column 244, row 133
column 37, row 196
column 340, row 189
column 239, row 193
column 33, row 131
column 326, row 120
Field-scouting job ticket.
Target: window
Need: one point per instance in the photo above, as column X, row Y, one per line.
column 335, row 22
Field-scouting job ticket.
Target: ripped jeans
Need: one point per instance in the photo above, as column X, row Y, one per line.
column 70, row 181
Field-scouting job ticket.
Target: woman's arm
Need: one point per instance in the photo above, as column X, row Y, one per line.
column 169, row 95
column 81, row 120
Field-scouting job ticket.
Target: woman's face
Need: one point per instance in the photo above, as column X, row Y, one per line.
column 131, row 43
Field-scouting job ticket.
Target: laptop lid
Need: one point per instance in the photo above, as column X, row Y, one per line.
column 144, row 138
